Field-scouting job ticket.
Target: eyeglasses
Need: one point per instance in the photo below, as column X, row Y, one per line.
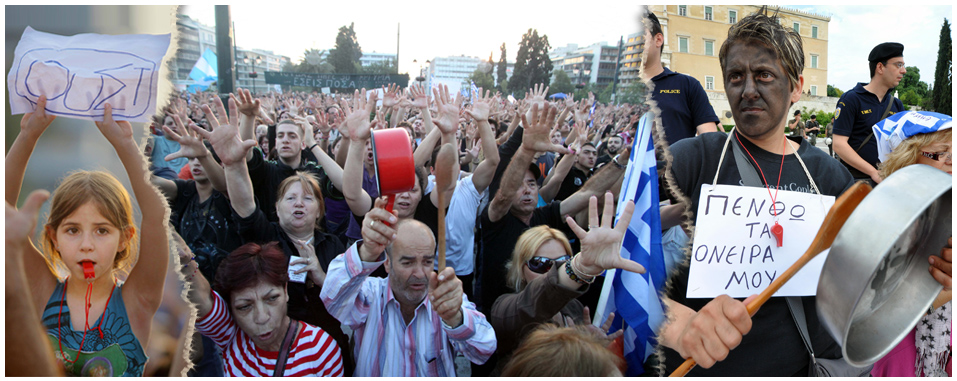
column 938, row 156
column 541, row 265
column 898, row 64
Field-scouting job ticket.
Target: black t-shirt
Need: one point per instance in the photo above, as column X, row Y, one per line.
column 206, row 226
column 498, row 241
column 683, row 103
column 305, row 303
column 774, row 346
column 427, row 213
column 267, row 175
column 572, row 183
column 857, row 111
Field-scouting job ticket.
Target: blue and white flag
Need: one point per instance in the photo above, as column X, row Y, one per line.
column 634, row 298
column 591, row 111
column 428, row 92
column 204, row 71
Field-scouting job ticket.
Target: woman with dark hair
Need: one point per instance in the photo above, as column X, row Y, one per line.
column 300, row 208
column 245, row 313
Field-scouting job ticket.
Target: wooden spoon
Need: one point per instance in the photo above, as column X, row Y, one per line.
column 443, row 178
column 835, row 219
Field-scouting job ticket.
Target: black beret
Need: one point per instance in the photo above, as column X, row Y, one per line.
column 885, row 51
column 537, row 172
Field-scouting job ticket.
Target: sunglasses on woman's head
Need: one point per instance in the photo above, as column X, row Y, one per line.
column 541, row 265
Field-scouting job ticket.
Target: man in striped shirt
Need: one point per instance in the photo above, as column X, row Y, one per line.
column 398, row 332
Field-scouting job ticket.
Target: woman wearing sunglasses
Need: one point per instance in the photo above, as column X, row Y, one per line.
column 547, row 277
column 907, row 138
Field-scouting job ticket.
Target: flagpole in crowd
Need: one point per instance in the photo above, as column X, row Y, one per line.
column 634, row 298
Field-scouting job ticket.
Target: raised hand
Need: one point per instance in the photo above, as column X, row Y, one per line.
column 114, row 132
column 307, row 256
column 537, row 94
column 190, row 143
column 224, row 135
column 420, row 99
column 570, row 101
column 538, row 127
column 601, row 244
column 377, row 231
column 601, row 332
column 448, row 116
column 445, row 294
column 20, row 224
column 390, row 95
column 480, row 109
column 246, row 104
column 357, row 115
column 322, row 122
column 34, row 123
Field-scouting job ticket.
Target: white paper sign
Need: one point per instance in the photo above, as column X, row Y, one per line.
column 734, row 252
column 293, row 277
column 79, row 74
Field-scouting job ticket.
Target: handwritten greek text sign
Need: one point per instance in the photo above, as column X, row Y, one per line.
column 80, row 74
column 734, row 252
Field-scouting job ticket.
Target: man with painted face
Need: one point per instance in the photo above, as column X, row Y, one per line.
column 413, row 322
column 761, row 63
column 865, row 105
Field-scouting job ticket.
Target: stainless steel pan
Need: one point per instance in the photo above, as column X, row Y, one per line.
column 875, row 284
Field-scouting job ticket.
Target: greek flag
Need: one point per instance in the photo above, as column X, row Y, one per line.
column 591, row 111
column 204, row 71
column 634, row 297
column 473, row 90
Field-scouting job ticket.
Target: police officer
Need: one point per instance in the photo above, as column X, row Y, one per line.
column 864, row 106
column 685, row 109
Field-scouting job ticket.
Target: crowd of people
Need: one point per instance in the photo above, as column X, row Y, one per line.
column 297, row 268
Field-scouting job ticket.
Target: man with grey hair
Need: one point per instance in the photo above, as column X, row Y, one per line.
column 761, row 62
column 413, row 322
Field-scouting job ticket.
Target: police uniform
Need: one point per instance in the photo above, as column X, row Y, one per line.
column 859, row 109
column 683, row 103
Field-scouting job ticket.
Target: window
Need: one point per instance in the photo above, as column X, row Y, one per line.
column 708, row 82
column 682, row 44
column 708, row 48
column 813, row 90
column 813, row 31
column 813, row 61
column 682, row 10
column 708, row 13
column 732, row 17
column 797, row 28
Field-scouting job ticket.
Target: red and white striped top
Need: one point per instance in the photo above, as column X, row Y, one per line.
column 314, row 353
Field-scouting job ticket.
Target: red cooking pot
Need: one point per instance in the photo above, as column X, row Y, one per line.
column 394, row 165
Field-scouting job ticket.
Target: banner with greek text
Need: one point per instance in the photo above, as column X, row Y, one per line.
column 336, row 81
column 734, row 252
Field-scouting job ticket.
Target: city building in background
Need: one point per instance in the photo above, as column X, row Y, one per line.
column 694, row 34
column 369, row 59
column 453, row 72
column 251, row 64
column 593, row 64
column 630, row 65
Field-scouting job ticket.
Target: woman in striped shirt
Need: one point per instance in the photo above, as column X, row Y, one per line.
column 246, row 317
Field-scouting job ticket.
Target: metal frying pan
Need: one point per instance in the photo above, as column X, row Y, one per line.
column 875, row 285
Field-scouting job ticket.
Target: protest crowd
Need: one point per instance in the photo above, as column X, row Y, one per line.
column 297, row 267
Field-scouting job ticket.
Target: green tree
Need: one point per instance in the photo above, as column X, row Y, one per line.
column 910, row 98
column 380, row 68
column 345, row 57
column 834, row 92
column 911, row 81
column 943, row 75
column 502, row 69
column 313, row 61
column 561, row 84
column 482, row 80
column 532, row 65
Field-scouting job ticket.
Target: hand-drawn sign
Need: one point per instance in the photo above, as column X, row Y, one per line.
column 734, row 252
column 80, row 74
column 336, row 81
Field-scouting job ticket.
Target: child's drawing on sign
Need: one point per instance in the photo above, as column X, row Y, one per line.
column 79, row 74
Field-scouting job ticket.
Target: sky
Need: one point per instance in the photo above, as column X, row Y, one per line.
column 435, row 29
column 429, row 28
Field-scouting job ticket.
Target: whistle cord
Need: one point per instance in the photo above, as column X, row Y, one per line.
column 86, row 325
